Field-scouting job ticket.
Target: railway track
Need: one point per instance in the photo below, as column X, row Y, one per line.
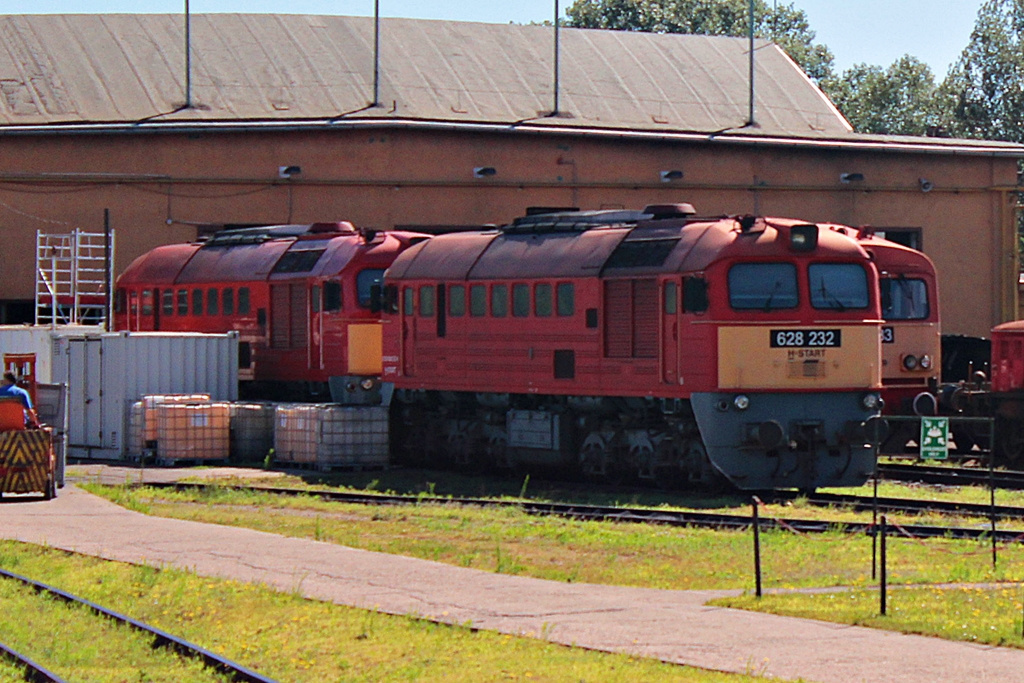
column 34, row 673
column 952, row 476
column 676, row 518
column 232, row 670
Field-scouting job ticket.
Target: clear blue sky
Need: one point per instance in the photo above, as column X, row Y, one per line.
column 870, row 31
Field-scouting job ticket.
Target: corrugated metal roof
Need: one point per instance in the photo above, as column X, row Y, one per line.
column 72, row 69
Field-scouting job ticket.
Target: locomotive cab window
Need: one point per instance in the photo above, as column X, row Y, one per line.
column 457, row 301
column 314, row 299
column 182, row 302
column 243, row 301
column 499, row 301
column 762, row 286
column 520, row 300
column 365, row 281
column 167, row 306
column 542, row 300
column 477, row 300
column 120, row 301
column 147, row 302
column 427, row 301
column 838, row 286
column 212, row 307
column 408, row 301
column 332, row 296
column 904, row 298
column 671, row 296
column 565, row 294
column 228, row 301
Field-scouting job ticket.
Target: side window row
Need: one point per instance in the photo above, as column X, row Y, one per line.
column 210, row 301
column 546, row 300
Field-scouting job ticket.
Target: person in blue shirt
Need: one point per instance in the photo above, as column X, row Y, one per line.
column 9, row 389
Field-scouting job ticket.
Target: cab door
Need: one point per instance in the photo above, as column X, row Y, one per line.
column 315, row 353
column 670, row 289
column 408, row 340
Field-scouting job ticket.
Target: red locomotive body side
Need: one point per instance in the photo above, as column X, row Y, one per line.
column 299, row 297
column 611, row 338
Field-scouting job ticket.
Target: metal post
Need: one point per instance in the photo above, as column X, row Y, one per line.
column 376, row 53
column 874, row 522
column 757, row 547
column 108, row 312
column 882, row 583
column 750, row 115
column 554, row 111
column 188, row 57
column 992, row 484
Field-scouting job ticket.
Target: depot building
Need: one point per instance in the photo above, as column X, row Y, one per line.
column 438, row 125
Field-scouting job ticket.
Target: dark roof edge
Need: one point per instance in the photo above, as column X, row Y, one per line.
column 855, row 141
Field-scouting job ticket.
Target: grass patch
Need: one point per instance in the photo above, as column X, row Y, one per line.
column 507, row 540
column 988, row 615
column 293, row 639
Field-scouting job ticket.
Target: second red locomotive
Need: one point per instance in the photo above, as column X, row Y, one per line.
column 299, row 296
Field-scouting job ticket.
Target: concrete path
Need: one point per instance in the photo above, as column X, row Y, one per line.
column 674, row 626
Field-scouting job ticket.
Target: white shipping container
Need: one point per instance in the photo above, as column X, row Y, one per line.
column 38, row 340
column 106, row 373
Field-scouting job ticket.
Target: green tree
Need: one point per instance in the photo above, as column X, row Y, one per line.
column 986, row 85
column 785, row 25
column 901, row 100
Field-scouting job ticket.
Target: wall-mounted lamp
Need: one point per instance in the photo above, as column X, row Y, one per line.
column 669, row 176
column 851, row 177
column 288, row 171
column 484, row 171
column 925, row 184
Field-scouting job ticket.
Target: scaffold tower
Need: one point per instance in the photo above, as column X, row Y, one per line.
column 73, row 273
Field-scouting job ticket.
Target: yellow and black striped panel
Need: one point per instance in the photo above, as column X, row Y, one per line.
column 26, row 460
column 826, row 356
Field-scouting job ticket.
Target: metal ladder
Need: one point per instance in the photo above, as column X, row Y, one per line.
column 72, row 274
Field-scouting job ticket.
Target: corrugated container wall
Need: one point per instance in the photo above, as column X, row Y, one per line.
column 107, row 373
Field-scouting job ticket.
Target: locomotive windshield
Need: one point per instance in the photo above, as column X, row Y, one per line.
column 364, row 281
column 838, row 286
column 904, row 298
column 762, row 286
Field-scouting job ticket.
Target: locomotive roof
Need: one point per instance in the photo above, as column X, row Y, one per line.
column 250, row 254
column 620, row 248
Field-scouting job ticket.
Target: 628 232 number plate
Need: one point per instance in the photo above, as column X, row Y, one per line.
column 804, row 339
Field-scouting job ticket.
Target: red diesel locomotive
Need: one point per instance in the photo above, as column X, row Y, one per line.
column 651, row 344
column 298, row 295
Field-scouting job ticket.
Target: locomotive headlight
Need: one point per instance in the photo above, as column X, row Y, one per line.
column 742, row 402
column 910, row 362
column 366, row 384
column 926, row 362
column 871, row 401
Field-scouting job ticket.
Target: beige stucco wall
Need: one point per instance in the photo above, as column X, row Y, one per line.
column 158, row 186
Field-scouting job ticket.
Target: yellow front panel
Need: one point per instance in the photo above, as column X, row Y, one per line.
column 914, row 338
column 364, row 349
column 747, row 359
